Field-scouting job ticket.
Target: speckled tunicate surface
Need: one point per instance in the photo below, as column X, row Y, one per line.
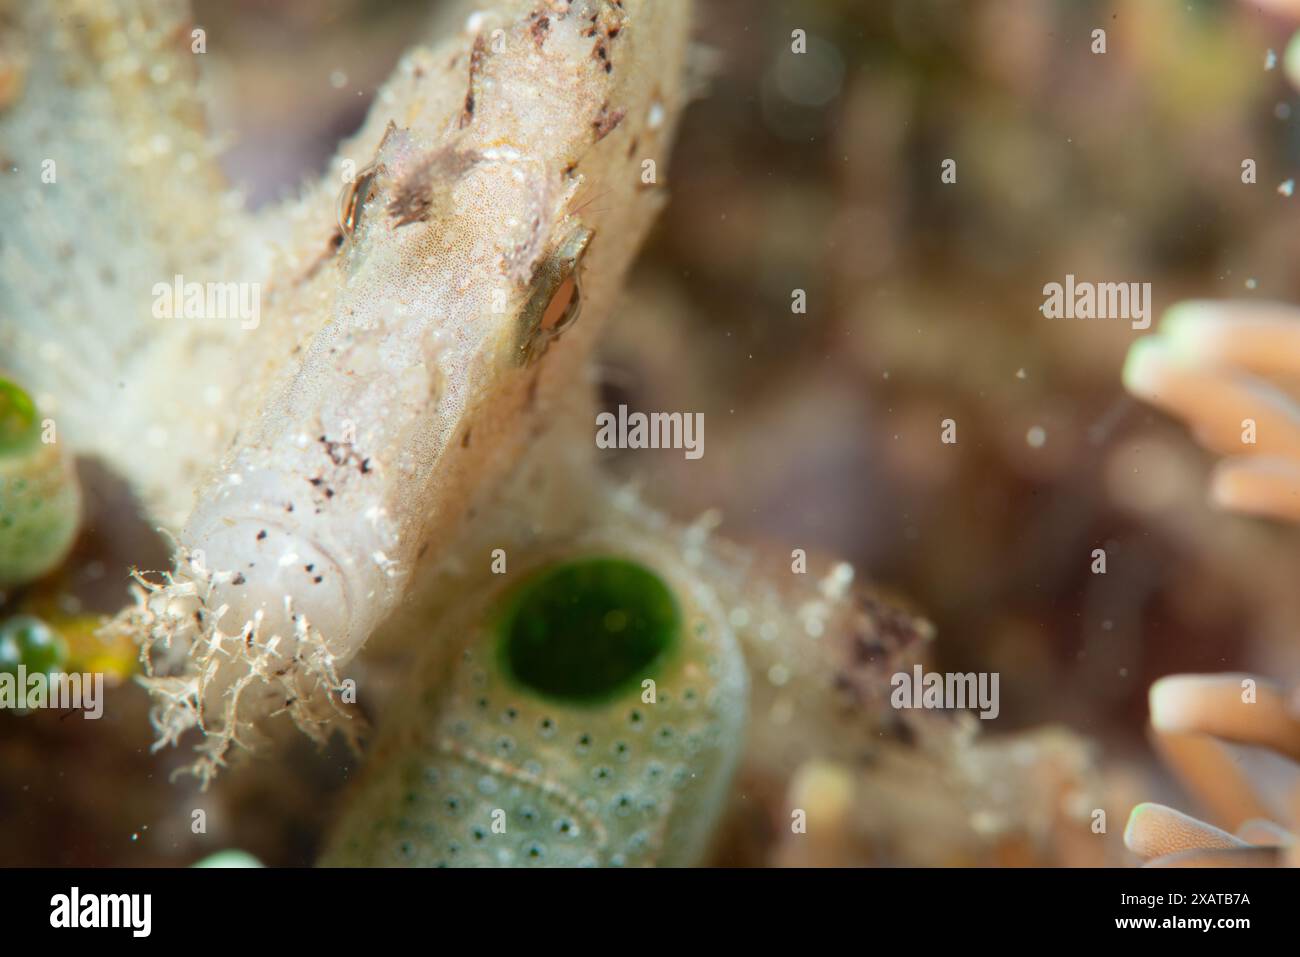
column 477, row 769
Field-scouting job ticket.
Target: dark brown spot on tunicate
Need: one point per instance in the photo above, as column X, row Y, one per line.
column 475, row 62
column 541, row 25
column 414, row 195
column 606, row 120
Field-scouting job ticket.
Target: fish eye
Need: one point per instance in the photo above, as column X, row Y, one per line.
column 583, row 631
column 352, row 197
column 556, row 297
column 562, row 311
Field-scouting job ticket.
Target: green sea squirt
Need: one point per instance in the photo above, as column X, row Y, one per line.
column 40, row 501
column 592, row 717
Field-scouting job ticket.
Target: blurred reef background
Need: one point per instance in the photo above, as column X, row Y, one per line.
column 922, row 304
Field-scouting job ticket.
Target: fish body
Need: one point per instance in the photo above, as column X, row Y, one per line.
column 404, row 354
